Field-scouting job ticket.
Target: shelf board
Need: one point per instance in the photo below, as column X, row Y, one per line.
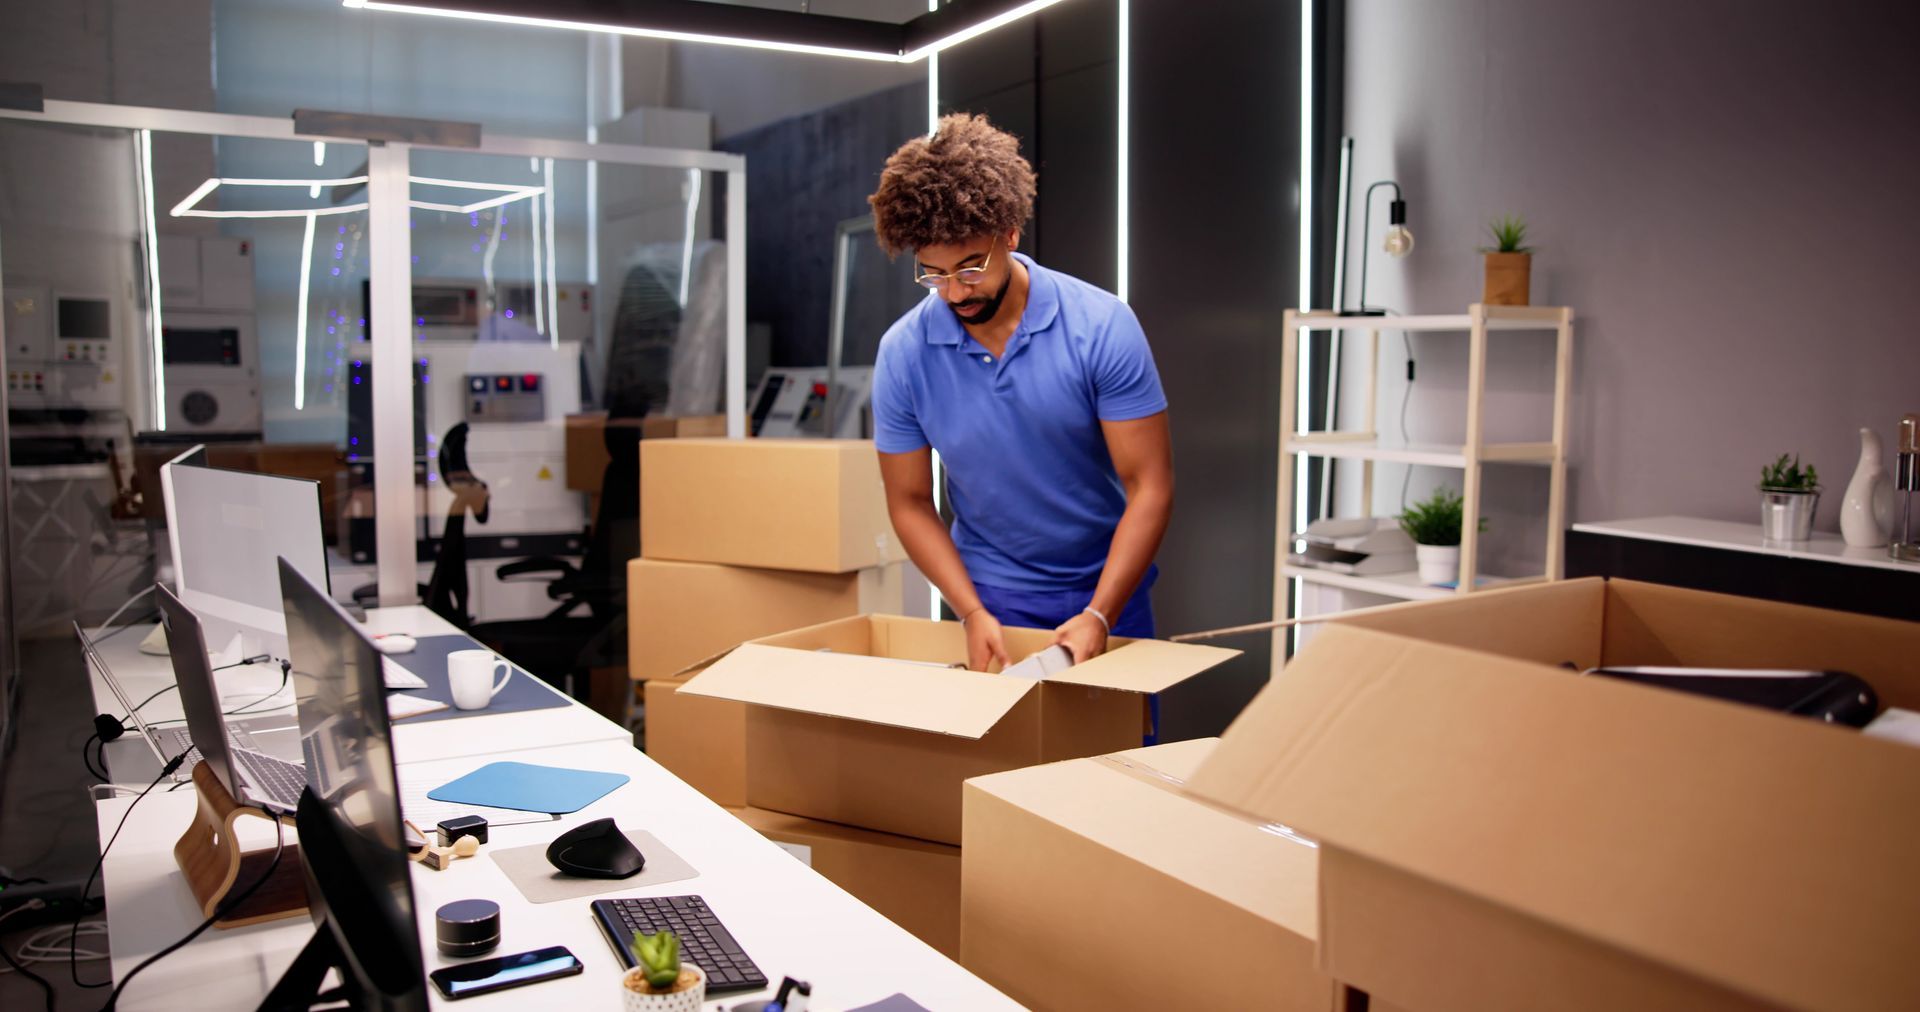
column 1402, row 586
column 1534, row 318
column 1339, row 446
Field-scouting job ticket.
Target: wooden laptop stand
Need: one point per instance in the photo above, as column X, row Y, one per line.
column 209, row 855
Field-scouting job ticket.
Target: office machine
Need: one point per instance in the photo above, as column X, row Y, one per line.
column 225, row 529
column 465, row 310
column 515, row 396
column 1356, row 546
column 359, row 890
column 65, row 349
column 816, row 403
column 209, row 346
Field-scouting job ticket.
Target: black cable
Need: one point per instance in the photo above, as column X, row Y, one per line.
column 286, row 669
column 149, row 699
column 86, row 756
column 225, row 907
column 73, row 936
column 29, row 974
column 255, row 659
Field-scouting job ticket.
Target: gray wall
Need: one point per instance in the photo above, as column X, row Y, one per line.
column 1719, row 189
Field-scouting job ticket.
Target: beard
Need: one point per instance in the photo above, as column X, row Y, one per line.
column 984, row 306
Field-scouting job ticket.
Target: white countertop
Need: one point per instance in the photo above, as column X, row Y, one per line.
column 1739, row 537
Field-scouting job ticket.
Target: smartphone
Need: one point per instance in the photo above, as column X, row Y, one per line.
column 485, row 975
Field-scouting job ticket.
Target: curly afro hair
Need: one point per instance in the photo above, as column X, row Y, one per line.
column 965, row 181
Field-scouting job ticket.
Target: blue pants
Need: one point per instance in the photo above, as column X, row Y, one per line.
column 1052, row 609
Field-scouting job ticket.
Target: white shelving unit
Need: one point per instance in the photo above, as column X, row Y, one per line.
column 1367, row 446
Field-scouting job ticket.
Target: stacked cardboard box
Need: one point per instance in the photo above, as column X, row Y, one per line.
column 1497, row 832
column 739, row 539
column 1095, row 883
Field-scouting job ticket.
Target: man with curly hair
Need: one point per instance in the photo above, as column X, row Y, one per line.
column 1041, row 396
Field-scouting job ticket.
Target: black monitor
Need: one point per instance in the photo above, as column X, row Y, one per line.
column 352, row 845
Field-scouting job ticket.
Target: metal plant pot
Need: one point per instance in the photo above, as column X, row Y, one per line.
column 1787, row 515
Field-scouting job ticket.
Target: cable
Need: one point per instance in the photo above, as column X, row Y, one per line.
column 286, row 669
column 128, row 604
column 32, row 904
column 73, row 966
column 142, row 620
column 44, row 946
column 226, row 906
column 86, row 756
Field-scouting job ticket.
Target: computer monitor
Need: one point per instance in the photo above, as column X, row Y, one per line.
column 352, row 844
column 226, row 529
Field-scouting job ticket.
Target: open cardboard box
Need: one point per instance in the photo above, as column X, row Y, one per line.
column 838, row 728
column 1496, row 833
column 1096, row 884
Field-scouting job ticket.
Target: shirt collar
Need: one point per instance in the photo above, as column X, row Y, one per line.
column 1043, row 304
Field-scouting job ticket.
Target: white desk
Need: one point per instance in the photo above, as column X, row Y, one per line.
column 143, row 674
column 788, row 919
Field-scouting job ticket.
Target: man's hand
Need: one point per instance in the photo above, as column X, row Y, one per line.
column 985, row 644
column 1083, row 636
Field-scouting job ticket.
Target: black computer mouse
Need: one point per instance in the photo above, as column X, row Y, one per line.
column 596, row 849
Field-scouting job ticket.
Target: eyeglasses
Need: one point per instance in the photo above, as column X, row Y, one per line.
column 968, row 276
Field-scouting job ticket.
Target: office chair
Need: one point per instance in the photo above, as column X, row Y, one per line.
column 446, row 591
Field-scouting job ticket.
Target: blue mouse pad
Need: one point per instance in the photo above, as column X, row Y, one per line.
column 525, row 787
column 428, row 659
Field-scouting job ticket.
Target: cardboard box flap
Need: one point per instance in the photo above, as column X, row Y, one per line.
column 1769, row 854
column 873, row 689
column 1216, row 852
column 1145, row 666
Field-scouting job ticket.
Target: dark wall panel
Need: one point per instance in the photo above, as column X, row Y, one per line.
column 804, row 176
column 1215, row 90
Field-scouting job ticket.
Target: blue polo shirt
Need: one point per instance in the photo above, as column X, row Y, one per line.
column 1035, row 496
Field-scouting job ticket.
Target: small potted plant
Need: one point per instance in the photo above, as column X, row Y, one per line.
column 1789, row 495
column 1434, row 525
column 1509, row 263
column 661, row 983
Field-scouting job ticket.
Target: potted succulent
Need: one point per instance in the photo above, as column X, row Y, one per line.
column 661, row 983
column 1434, row 525
column 1509, row 263
column 1789, row 495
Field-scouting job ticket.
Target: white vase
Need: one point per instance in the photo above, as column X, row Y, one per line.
column 1438, row 563
column 686, row 1000
column 1866, row 514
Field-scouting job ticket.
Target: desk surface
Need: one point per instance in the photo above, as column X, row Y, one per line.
column 143, row 674
column 788, row 918
column 1738, row 537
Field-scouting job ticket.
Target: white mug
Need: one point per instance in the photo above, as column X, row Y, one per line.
column 470, row 676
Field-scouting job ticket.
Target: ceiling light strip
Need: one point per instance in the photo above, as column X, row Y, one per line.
column 300, row 318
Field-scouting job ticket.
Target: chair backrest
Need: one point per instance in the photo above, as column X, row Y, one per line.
column 448, row 594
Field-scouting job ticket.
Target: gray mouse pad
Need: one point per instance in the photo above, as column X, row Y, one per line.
column 540, row 882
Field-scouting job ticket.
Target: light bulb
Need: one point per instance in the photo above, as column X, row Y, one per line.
column 1399, row 241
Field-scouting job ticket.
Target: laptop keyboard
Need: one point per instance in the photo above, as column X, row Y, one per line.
column 277, row 779
column 175, row 740
column 704, row 941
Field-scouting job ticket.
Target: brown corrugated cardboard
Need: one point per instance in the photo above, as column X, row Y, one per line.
column 1096, row 884
column 1500, row 834
column 913, row 883
column 702, row 740
column 806, row 504
column 856, row 736
column 586, row 447
column 679, row 613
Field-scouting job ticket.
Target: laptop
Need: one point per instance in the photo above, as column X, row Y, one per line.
column 258, row 760
column 165, row 743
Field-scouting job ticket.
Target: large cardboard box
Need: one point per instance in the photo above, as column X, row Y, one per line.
column 913, row 883
column 1499, row 833
column 808, row 504
column 842, row 726
column 586, row 446
column 680, row 613
column 1097, row 884
column 701, row 740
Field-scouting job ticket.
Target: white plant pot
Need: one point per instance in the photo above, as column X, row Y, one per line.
column 1438, row 563
column 685, row 1000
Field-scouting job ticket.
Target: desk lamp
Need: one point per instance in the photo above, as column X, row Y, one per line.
column 1398, row 243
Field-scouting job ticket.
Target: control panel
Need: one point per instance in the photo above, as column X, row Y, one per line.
column 504, row 397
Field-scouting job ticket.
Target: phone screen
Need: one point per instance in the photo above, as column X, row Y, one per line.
column 482, row 976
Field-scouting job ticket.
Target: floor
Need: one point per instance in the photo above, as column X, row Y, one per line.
column 48, row 815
